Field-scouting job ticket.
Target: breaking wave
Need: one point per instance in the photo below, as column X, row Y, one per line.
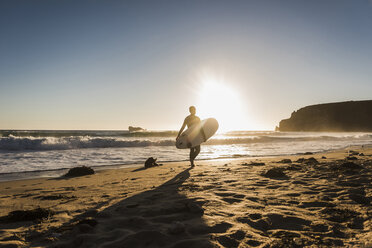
column 20, row 143
column 90, row 133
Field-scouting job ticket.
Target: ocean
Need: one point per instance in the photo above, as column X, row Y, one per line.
column 27, row 154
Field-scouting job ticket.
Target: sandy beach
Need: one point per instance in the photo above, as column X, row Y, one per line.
column 185, row 124
column 314, row 200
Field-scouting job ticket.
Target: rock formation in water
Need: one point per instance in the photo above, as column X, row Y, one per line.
column 341, row 116
column 136, row 129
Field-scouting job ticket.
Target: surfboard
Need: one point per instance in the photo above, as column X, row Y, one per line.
column 197, row 134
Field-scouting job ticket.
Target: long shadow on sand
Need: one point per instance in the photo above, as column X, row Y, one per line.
column 162, row 217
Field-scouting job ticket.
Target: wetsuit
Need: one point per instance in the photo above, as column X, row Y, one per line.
column 191, row 120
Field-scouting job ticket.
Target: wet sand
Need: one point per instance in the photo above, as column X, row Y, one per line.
column 315, row 200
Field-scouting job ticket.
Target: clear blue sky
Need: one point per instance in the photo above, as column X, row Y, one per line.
column 110, row 64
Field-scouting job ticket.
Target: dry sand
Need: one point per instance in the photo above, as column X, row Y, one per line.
column 219, row 203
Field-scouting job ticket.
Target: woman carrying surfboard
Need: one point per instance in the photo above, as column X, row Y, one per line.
column 190, row 121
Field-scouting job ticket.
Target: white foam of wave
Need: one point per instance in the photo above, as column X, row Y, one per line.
column 17, row 162
column 15, row 143
column 22, row 161
column 12, row 143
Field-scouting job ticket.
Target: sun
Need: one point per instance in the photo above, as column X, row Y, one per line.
column 219, row 100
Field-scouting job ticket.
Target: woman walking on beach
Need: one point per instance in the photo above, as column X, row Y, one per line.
column 189, row 121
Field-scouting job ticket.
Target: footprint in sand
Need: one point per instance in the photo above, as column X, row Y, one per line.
column 275, row 221
column 359, row 198
column 231, row 200
column 238, row 235
column 26, row 195
column 69, row 188
column 255, row 216
column 319, row 227
column 288, row 239
column 227, row 241
column 260, row 224
column 232, row 240
column 293, row 194
column 273, row 186
column 339, row 215
column 315, row 204
column 309, row 192
column 230, row 197
column 293, row 202
column 254, row 199
column 253, row 242
column 332, row 190
column 224, row 194
column 53, row 197
column 37, row 189
column 230, row 181
column 299, row 182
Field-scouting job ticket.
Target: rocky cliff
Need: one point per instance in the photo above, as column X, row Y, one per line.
column 341, row 116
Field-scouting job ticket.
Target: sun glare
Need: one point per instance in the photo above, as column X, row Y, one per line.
column 218, row 100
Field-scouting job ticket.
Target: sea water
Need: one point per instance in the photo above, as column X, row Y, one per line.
column 27, row 153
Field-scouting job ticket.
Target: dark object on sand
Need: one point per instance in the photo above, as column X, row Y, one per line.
column 323, row 157
column 79, row 171
column 151, row 162
column 361, row 154
column 28, row 215
column 257, row 163
column 308, row 153
column 351, row 158
column 275, row 173
column 254, row 164
column 350, row 165
column 338, row 214
column 361, row 199
column 54, row 197
column 89, row 221
column 294, row 167
column 285, row 161
column 300, row 160
column 308, row 161
column 311, row 161
column 347, row 166
column 351, row 152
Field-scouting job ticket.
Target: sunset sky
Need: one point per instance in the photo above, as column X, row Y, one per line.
column 110, row 64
